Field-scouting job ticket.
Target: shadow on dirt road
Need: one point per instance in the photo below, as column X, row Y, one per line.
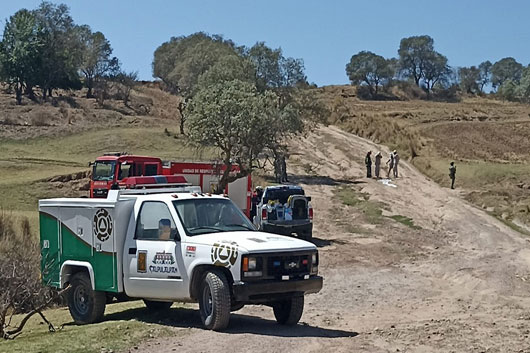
column 239, row 323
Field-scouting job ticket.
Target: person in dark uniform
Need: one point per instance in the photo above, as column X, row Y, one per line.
column 452, row 174
column 368, row 163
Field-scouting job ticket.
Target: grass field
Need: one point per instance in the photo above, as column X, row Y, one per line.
column 26, row 165
column 125, row 325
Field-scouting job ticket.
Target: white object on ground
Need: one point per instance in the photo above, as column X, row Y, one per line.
column 387, row 182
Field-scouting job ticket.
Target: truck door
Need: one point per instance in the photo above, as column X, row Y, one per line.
column 154, row 256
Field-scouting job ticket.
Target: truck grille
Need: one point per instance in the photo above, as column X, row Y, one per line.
column 293, row 266
column 101, row 193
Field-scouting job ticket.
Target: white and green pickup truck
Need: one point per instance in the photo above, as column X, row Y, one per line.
column 166, row 246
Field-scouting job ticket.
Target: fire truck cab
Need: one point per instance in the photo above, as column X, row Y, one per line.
column 134, row 172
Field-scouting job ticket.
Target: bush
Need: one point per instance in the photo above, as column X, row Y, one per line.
column 21, row 289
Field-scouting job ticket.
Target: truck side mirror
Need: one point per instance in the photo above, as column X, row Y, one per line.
column 308, row 198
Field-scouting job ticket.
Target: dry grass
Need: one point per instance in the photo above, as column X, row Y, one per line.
column 487, row 138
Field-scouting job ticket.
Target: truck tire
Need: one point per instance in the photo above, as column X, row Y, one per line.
column 156, row 306
column 289, row 312
column 214, row 301
column 85, row 304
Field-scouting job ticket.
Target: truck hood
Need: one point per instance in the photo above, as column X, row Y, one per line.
column 254, row 241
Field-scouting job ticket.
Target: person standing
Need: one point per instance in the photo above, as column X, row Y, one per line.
column 396, row 163
column 390, row 163
column 452, row 174
column 368, row 163
column 378, row 158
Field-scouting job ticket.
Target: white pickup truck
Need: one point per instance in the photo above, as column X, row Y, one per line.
column 166, row 246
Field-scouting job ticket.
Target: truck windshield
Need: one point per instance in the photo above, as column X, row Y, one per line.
column 104, row 170
column 280, row 194
column 209, row 215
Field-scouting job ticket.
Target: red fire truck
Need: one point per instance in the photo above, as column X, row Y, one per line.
column 131, row 171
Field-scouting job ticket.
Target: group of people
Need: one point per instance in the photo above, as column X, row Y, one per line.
column 392, row 162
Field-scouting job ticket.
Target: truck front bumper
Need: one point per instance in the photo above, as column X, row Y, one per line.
column 266, row 291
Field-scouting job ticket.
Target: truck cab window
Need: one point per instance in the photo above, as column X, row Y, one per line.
column 104, row 170
column 126, row 170
column 151, row 169
column 155, row 222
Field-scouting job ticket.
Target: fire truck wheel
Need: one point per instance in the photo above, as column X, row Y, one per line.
column 214, row 301
column 157, row 306
column 86, row 305
column 289, row 312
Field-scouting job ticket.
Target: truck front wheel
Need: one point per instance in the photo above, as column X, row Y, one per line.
column 86, row 305
column 289, row 312
column 214, row 301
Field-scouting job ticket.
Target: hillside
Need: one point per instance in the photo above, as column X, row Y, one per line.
column 487, row 138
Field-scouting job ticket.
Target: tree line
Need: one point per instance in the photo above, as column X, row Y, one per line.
column 420, row 63
column 44, row 49
column 245, row 101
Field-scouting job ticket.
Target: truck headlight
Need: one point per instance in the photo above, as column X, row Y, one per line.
column 252, row 266
column 314, row 263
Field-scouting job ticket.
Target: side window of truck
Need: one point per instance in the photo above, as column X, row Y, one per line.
column 155, row 222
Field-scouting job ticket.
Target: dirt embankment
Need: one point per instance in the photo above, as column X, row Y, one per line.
column 450, row 279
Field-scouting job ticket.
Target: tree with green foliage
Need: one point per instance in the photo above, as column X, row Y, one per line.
column 96, row 57
column 20, row 52
column 484, row 74
column 508, row 90
column 238, row 120
column 435, row 69
column 62, row 50
column 368, row 68
column 273, row 70
column 470, row 79
column 504, row 70
column 414, row 54
column 180, row 62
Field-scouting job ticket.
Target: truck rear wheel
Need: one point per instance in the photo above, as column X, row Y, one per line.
column 289, row 312
column 214, row 301
column 153, row 305
column 86, row 305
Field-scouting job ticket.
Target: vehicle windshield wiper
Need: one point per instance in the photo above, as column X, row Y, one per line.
column 239, row 225
column 192, row 229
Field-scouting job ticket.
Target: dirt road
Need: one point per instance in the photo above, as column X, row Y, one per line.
column 458, row 282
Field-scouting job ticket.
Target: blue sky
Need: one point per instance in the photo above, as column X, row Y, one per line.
column 324, row 33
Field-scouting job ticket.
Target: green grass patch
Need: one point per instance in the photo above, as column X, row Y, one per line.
column 405, row 220
column 24, row 164
column 371, row 210
column 124, row 325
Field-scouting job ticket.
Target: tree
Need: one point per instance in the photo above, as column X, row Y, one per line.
column 96, row 60
column 484, row 74
column 522, row 91
column 508, row 90
column 20, row 50
column 470, row 79
column 62, row 49
column 505, row 69
column 180, row 62
column 414, row 53
column 273, row 70
column 435, row 69
column 370, row 69
column 126, row 82
column 238, row 120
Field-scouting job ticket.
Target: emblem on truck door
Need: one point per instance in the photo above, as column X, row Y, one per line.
column 224, row 255
column 102, row 224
